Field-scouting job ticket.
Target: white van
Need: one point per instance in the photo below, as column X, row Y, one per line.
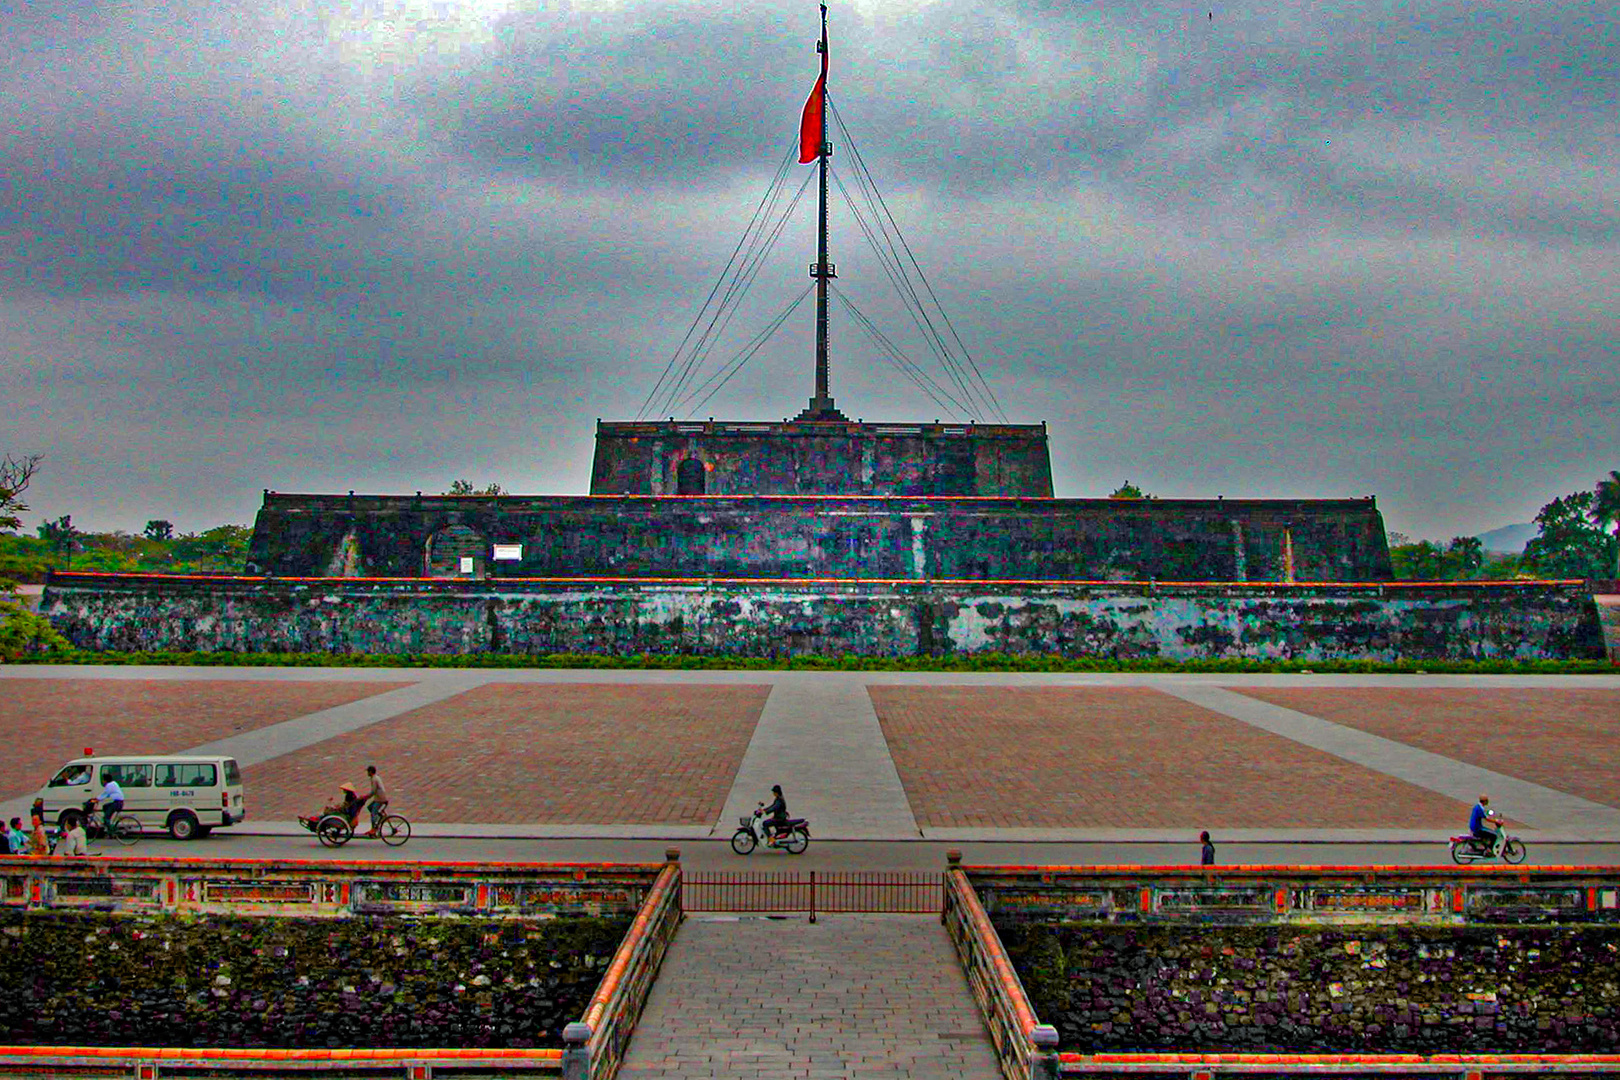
column 189, row 796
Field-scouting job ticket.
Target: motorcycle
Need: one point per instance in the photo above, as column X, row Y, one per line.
column 1467, row 848
column 751, row 831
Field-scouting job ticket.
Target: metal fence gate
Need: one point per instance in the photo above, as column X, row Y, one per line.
column 878, row 892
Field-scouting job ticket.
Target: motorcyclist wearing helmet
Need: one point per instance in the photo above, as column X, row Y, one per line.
column 1484, row 823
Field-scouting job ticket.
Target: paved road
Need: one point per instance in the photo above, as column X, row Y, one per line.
column 839, row 855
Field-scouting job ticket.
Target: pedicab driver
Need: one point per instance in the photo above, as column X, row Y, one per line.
column 378, row 796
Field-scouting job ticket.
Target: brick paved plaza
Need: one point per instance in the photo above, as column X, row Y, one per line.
column 517, row 753
column 50, row 721
column 636, row 749
column 1123, row 757
column 1568, row 740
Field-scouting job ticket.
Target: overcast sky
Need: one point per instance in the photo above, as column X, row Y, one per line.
column 1253, row 249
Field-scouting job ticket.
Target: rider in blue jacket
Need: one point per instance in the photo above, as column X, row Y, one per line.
column 1482, row 823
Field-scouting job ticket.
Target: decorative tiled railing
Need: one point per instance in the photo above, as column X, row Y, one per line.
column 1320, row 895
column 1027, row 1049
column 1023, row 1046
column 300, row 887
column 1450, row 1066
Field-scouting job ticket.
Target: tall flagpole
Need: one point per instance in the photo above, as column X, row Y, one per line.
column 821, row 406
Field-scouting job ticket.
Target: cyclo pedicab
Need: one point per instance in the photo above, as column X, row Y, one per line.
column 336, row 825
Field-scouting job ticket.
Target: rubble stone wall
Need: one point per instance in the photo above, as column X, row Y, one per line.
column 1383, row 989
column 1529, row 621
column 104, row 979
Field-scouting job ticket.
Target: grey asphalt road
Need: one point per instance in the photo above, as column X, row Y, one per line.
column 841, row 855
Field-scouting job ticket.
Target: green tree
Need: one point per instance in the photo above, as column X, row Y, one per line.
column 1421, row 560
column 1465, row 556
column 465, row 487
column 1606, row 510
column 1569, row 543
column 21, row 630
column 220, row 550
column 159, row 530
column 1128, row 490
column 1424, row 560
column 59, row 535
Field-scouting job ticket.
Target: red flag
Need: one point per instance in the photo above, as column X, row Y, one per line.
column 813, row 125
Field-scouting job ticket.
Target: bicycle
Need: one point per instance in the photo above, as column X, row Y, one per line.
column 122, row 827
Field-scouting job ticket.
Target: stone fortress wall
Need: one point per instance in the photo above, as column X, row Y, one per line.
column 796, row 538
column 820, row 458
column 1527, row 621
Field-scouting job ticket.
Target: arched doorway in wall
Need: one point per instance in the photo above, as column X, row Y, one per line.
column 690, row 477
column 457, row 551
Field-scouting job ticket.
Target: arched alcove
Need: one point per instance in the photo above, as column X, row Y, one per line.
column 450, row 549
column 690, row 477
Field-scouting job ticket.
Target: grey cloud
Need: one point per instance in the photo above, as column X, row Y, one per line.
column 1292, row 251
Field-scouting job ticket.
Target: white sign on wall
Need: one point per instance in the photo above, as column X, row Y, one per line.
column 466, row 564
column 508, row 552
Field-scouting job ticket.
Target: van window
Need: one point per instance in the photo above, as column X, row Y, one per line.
column 128, row 776
column 72, row 776
column 189, row 774
column 233, row 775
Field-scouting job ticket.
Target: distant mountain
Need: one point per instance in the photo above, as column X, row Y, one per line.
column 1509, row 538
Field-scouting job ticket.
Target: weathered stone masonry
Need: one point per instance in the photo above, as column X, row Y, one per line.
column 1536, row 620
column 681, row 457
column 1383, row 989
column 215, row 980
column 786, row 537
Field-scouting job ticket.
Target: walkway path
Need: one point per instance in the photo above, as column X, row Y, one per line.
column 819, row 737
column 1536, row 806
column 852, row 996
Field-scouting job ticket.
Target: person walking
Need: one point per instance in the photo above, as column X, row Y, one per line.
column 378, row 796
column 1207, row 855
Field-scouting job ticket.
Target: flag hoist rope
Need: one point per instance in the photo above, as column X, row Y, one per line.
column 675, row 388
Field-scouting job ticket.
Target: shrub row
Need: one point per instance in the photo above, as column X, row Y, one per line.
column 965, row 662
